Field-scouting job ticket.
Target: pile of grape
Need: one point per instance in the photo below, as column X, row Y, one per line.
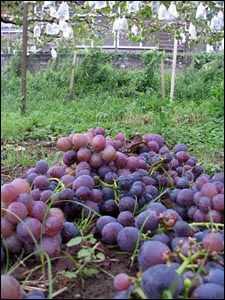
column 148, row 200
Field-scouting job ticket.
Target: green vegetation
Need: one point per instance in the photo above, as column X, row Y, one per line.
column 129, row 101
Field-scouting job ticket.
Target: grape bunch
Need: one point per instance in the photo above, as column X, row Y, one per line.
column 155, row 203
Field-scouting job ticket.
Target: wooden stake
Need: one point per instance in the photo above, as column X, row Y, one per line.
column 24, row 60
column 162, row 77
column 173, row 69
column 72, row 75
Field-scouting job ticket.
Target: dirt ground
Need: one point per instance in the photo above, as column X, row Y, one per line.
column 99, row 286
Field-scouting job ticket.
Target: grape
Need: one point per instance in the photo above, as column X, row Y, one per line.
column 109, row 154
column 36, row 194
column 218, row 202
column 174, row 163
column 205, row 204
column 157, row 207
column 182, row 156
column 40, row 182
column 132, row 163
column 182, row 228
column 137, row 189
column 42, row 166
column 96, row 196
column 56, row 171
column 90, row 209
column 83, row 165
column 191, row 276
column 127, row 238
column 213, row 241
column 182, row 183
column 214, row 216
column 199, row 215
column 21, row 185
column 126, row 218
column 30, row 177
column 152, row 253
column 107, row 193
column 63, row 144
column 151, row 189
column 208, row 291
column 35, row 294
column 121, row 282
column 83, row 180
column 6, row 227
column 98, row 142
column 103, row 170
column 79, row 140
column 103, row 220
column 27, row 227
column 100, row 130
column 27, row 200
column 161, row 237
column 120, row 160
column 8, row 193
column 96, row 160
column 110, row 177
column 69, row 157
column 52, row 226
column 83, row 154
column 197, row 170
column 110, row 232
column 185, row 197
column 159, row 278
column 209, row 190
column 147, row 221
column 170, row 217
column 12, row 243
column 69, row 231
column 58, row 213
column 16, row 212
column 10, row 288
column 154, row 146
column 214, row 276
column 110, row 207
column 218, row 177
column 46, row 195
column 127, row 203
column 83, row 193
column 201, row 180
column 48, row 245
column 39, row 210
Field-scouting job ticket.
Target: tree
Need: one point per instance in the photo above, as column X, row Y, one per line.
column 70, row 22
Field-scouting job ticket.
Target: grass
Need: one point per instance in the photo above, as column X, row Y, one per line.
column 122, row 101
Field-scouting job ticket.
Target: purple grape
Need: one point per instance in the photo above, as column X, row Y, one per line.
column 159, row 278
column 182, row 228
column 208, row 291
column 127, row 238
column 28, row 225
column 152, row 253
column 110, row 232
column 126, row 218
column 147, row 221
column 69, row 231
column 42, row 166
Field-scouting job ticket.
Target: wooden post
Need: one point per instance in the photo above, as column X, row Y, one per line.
column 72, row 75
column 24, row 60
column 162, row 77
column 173, row 69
